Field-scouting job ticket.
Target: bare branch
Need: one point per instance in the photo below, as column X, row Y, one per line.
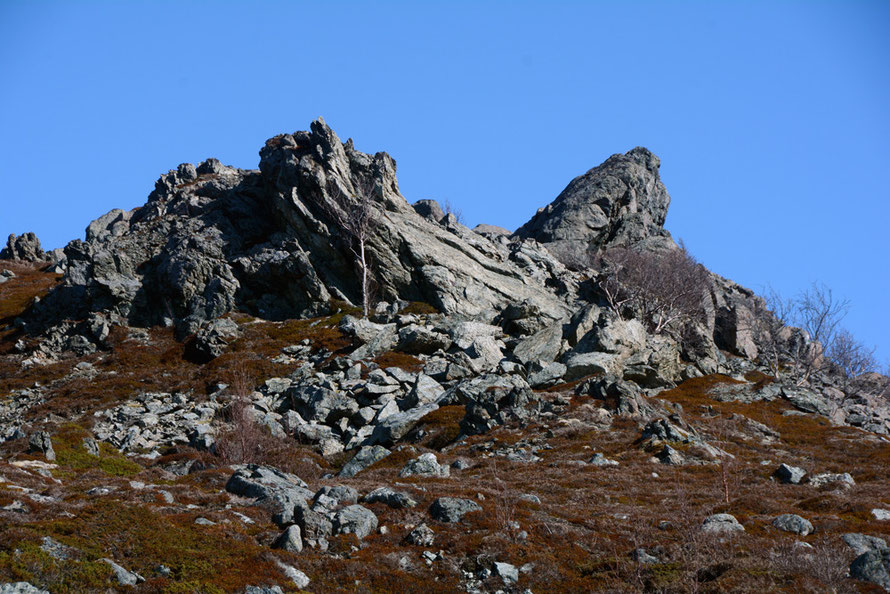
column 664, row 288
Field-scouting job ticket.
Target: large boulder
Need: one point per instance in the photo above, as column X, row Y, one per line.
column 873, row 566
column 277, row 490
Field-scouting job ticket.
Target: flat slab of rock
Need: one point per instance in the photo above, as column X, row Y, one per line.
column 843, row 480
column 395, row 427
column 390, row 497
column 124, row 577
column 365, row 457
column 452, row 509
column 863, row 543
column 881, row 514
column 21, row 588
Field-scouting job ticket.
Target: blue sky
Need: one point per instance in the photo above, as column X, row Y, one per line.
column 772, row 119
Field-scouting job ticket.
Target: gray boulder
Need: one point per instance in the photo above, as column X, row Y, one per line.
column 430, row 210
column 721, row 523
column 546, row 375
column 793, row 523
column 542, row 346
column 419, row 340
column 599, row 459
column 355, row 519
column 341, row 494
column 580, row 365
column 507, row 572
column 425, row 465
column 212, row 339
column 424, row 391
column 452, row 509
column 40, row 442
column 421, row 536
column 315, row 527
column 270, row 487
column 290, row 540
column 789, row 474
column 873, row 566
column 808, row 401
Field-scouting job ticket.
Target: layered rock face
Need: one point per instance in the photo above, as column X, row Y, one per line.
column 212, row 239
column 621, row 202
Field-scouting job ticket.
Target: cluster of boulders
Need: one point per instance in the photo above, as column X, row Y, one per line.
column 152, row 421
column 312, row 519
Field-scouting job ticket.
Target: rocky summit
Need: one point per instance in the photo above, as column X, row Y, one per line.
column 292, row 379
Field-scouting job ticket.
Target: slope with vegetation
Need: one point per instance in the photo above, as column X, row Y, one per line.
column 235, row 389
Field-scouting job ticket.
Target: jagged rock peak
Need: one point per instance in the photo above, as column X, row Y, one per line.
column 271, row 242
column 26, row 248
column 620, row 202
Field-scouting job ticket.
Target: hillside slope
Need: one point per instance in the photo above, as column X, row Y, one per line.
column 192, row 401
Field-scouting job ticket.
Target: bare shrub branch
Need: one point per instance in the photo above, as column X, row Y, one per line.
column 820, row 314
column 450, row 209
column 242, row 438
column 665, row 288
column 852, row 359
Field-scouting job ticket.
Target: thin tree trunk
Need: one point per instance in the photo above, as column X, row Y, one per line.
column 365, row 296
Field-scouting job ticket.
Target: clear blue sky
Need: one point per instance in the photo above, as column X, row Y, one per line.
column 772, row 119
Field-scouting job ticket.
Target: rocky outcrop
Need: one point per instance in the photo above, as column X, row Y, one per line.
column 211, row 239
column 272, row 242
column 620, row 202
column 26, row 248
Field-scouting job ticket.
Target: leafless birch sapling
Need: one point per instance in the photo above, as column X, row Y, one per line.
column 357, row 219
